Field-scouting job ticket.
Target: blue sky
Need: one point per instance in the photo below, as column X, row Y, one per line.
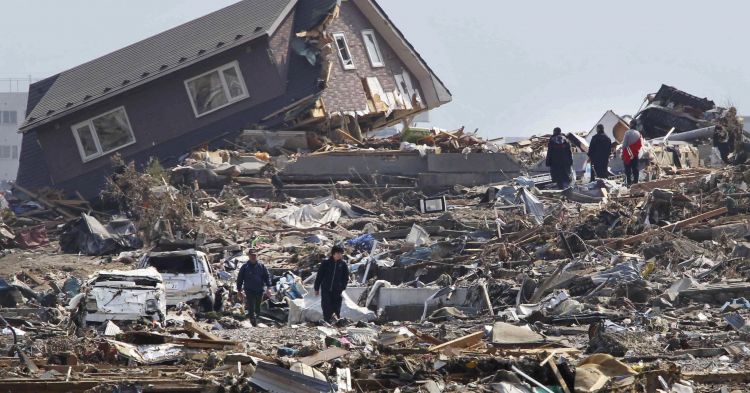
column 515, row 68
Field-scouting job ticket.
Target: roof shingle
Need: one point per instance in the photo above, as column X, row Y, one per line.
column 154, row 57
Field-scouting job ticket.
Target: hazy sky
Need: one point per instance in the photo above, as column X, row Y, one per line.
column 514, row 68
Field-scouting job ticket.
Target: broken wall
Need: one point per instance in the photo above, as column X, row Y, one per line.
column 345, row 91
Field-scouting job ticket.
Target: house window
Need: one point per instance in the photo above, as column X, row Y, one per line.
column 103, row 134
column 406, row 87
column 4, row 152
column 15, row 152
column 216, row 89
column 9, row 117
column 373, row 50
column 344, row 53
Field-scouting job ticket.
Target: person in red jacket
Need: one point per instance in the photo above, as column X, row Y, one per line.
column 631, row 147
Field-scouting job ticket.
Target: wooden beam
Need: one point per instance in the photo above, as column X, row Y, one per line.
column 45, row 202
column 461, row 342
column 675, row 226
column 559, row 377
column 202, row 333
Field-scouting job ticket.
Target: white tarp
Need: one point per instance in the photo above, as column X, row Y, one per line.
column 320, row 212
column 149, row 354
column 308, row 309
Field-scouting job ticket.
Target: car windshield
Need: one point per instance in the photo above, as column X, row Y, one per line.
column 139, row 281
column 176, row 264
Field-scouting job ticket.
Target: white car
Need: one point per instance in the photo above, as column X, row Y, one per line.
column 188, row 277
column 125, row 296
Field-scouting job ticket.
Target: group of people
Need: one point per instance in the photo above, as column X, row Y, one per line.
column 254, row 283
column 560, row 155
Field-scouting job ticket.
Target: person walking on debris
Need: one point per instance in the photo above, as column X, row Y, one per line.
column 253, row 278
column 331, row 281
column 599, row 151
column 724, row 142
column 631, row 147
column 559, row 159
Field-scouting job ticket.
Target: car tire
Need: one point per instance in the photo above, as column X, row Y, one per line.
column 207, row 303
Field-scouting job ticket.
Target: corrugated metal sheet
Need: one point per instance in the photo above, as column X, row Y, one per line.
column 155, row 56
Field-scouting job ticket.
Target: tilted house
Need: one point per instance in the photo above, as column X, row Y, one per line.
column 314, row 65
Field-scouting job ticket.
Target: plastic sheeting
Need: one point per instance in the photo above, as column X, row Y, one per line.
column 320, row 212
column 308, row 309
column 88, row 236
column 533, row 205
column 149, row 354
column 623, row 273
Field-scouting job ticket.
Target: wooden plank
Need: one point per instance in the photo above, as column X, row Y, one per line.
column 425, row 337
column 45, row 202
column 559, row 377
column 663, row 183
column 324, row 356
column 720, row 378
column 29, row 363
column 677, row 225
column 536, row 351
column 202, row 333
column 461, row 342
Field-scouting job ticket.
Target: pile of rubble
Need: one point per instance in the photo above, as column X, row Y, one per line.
column 507, row 287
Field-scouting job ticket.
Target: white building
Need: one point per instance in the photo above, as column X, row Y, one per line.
column 12, row 113
column 614, row 126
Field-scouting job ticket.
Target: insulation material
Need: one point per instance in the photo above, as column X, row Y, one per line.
column 308, row 309
column 149, row 354
column 321, row 212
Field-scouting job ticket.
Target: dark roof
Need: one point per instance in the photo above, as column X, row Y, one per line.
column 153, row 57
column 673, row 94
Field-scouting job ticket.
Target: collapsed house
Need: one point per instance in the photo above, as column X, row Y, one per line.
column 332, row 67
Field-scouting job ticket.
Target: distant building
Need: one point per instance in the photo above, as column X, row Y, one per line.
column 614, row 126
column 12, row 112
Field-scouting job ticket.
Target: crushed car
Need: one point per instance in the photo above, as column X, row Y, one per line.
column 117, row 295
column 188, row 277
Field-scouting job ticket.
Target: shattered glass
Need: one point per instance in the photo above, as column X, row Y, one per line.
column 207, row 92
column 113, row 130
column 87, row 141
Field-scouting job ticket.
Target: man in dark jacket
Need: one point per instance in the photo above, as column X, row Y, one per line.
column 253, row 278
column 559, row 159
column 599, row 151
column 331, row 281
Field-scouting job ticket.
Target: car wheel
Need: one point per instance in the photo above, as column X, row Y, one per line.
column 207, row 304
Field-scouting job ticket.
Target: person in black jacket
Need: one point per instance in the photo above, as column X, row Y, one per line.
column 599, row 152
column 331, row 281
column 253, row 278
column 559, row 159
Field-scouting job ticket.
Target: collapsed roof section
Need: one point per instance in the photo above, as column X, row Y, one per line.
column 316, row 43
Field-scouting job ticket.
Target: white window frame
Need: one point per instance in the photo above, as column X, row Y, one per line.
column 90, row 123
column 225, row 86
column 341, row 35
column 378, row 52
